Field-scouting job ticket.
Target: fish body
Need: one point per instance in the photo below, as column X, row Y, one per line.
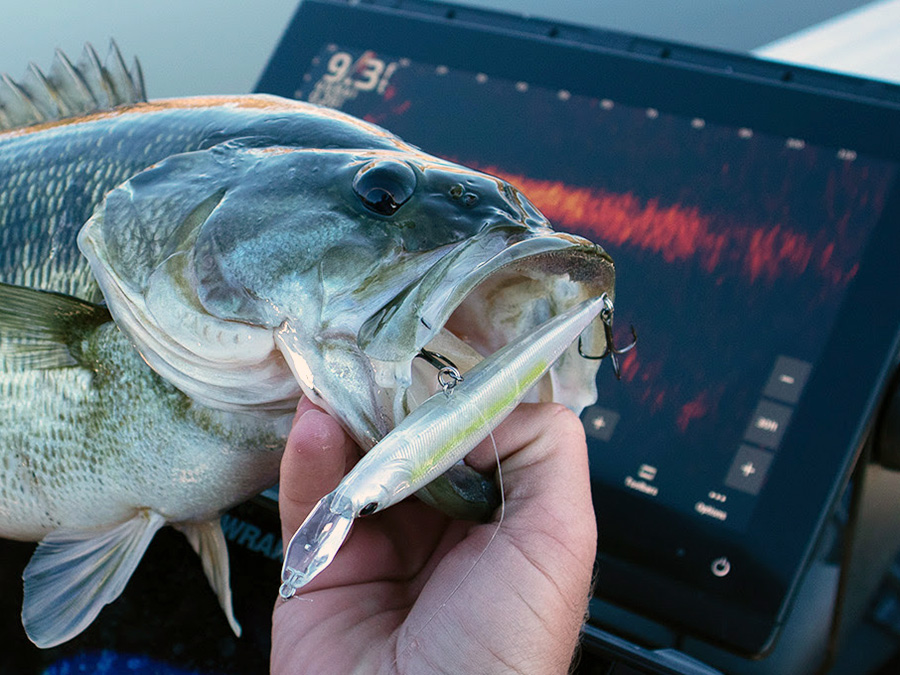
column 54, row 175
column 86, row 442
column 175, row 275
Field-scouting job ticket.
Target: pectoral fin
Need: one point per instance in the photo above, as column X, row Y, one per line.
column 41, row 329
column 208, row 541
column 72, row 575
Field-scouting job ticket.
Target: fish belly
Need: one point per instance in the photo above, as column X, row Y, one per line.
column 83, row 449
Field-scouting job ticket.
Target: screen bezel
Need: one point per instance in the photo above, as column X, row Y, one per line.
column 743, row 610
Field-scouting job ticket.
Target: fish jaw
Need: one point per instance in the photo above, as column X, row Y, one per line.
column 439, row 433
column 475, row 306
column 490, row 291
column 367, row 375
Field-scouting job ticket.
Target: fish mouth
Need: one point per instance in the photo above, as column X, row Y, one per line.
column 485, row 293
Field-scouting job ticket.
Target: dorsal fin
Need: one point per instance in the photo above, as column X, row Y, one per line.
column 69, row 90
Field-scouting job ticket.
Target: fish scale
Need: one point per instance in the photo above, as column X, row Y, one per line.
column 40, row 213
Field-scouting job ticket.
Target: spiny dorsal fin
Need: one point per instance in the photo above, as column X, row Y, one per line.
column 69, row 90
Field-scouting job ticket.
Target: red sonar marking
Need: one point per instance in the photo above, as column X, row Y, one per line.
column 692, row 410
column 678, row 233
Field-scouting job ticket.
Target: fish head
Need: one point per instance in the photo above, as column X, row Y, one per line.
column 365, row 223
column 249, row 275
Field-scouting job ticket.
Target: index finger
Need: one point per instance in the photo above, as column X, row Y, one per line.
column 545, row 471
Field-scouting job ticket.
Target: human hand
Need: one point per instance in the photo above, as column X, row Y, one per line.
column 412, row 591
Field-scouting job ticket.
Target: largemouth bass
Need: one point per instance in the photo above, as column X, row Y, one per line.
column 175, row 275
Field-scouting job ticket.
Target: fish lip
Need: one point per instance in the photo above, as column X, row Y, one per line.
column 408, row 322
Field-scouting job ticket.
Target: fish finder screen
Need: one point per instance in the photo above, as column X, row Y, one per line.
column 733, row 251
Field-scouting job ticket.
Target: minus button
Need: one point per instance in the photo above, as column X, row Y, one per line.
column 787, row 379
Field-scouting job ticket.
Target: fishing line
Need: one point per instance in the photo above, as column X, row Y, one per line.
column 414, row 639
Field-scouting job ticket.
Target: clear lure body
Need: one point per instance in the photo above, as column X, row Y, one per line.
column 431, row 439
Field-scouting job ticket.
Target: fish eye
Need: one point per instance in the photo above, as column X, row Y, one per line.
column 384, row 186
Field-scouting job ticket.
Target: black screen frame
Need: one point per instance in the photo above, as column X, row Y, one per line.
column 743, row 610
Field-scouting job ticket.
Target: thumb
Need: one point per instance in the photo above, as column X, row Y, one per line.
column 316, row 457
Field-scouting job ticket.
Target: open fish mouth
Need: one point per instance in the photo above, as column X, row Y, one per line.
column 487, row 292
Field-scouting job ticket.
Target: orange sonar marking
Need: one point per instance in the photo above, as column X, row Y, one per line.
column 678, row 233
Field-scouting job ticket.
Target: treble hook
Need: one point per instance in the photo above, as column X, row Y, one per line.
column 606, row 316
column 448, row 374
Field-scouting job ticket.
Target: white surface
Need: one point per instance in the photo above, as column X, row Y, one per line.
column 865, row 41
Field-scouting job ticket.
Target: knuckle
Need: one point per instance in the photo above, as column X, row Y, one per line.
column 564, row 421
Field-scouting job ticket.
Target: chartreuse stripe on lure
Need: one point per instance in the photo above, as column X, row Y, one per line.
column 435, row 436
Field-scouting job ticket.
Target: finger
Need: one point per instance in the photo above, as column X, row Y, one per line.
column 315, row 459
column 304, row 405
column 528, row 423
column 544, row 468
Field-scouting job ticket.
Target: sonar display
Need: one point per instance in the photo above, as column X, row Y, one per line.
column 733, row 248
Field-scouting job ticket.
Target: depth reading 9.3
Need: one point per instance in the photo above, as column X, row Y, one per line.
column 346, row 76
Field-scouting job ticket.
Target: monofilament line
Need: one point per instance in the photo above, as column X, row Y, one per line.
column 413, row 640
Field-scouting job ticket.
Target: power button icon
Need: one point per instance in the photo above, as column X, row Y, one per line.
column 721, row 566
